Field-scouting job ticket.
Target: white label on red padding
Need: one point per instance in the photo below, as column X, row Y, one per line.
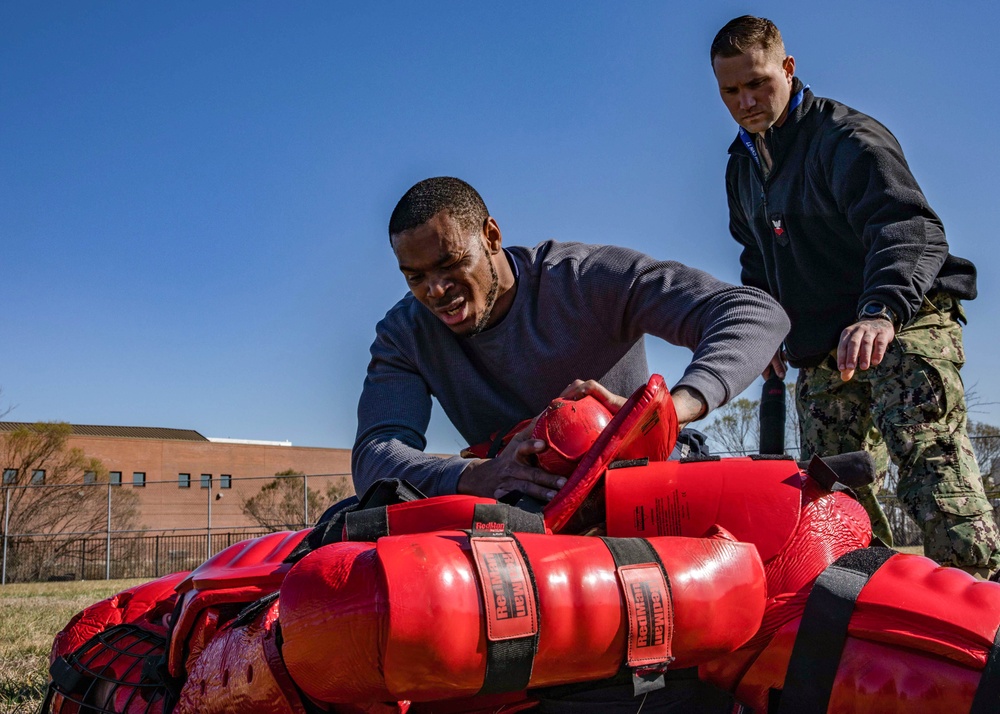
column 649, row 614
column 511, row 611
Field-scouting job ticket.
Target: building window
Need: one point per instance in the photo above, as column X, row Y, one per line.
column 225, row 481
column 10, row 475
column 115, row 478
column 206, row 480
column 38, row 476
column 183, row 480
column 89, row 477
column 139, row 479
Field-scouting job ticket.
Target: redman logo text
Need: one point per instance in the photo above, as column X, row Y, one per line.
column 506, row 585
column 650, row 615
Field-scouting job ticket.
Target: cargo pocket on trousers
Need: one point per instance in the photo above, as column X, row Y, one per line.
column 935, row 331
column 959, row 497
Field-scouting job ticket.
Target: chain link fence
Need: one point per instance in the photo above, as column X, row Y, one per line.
column 146, row 529
column 149, row 529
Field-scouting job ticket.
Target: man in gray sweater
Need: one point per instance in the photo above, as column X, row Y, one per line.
column 496, row 333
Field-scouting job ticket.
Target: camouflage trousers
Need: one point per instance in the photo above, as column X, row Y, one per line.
column 911, row 407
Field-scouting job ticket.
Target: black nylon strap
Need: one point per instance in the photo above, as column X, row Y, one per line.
column 632, row 551
column 389, row 492
column 65, row 677
column 366, row 525
column 509, row 662
column 508, row 665
column 496, row 446
column 628, row 463
column 987, row 698
column 638, row 551
column 514, row 519
column 330, row 527
column 698, row 458
column 822, row 634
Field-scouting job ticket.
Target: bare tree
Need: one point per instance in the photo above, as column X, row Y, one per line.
column 985, row 440
column 49, row 489
column 975, row 403
column 279, row 504
column 736, row 428
column 4, row 411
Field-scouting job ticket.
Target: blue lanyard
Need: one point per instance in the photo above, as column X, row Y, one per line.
column 748, row 140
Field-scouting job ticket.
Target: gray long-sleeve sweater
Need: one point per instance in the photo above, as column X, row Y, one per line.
column 580, row 312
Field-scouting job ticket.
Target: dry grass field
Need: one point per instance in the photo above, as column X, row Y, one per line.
column 30, row 616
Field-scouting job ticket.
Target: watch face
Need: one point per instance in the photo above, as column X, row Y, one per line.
column 873, row 308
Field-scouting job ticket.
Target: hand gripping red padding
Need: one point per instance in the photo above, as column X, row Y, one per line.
column 405, row 618
column 645, row 427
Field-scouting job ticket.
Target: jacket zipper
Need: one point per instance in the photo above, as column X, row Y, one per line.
column 763, row 189
column 763, row 196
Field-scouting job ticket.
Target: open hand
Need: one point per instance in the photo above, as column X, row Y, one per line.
column 863, row 345
column 591, row 387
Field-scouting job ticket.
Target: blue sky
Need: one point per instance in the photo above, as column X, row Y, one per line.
column 193, row 196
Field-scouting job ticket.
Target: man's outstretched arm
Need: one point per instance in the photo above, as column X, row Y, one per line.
column 689, row 404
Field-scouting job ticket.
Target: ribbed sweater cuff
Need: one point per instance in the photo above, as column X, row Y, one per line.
column 707, row 384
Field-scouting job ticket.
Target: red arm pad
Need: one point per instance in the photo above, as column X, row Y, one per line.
column 434, row 514
column 645, row 427
column 405, row 619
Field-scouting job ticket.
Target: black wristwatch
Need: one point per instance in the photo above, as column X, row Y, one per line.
column 874, row 310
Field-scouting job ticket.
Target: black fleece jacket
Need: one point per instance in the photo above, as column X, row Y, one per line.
column 839, row 221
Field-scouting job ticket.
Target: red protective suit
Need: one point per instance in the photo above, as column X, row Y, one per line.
column 423, row 616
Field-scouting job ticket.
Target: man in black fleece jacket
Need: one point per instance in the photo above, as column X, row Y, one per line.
column 833, row 224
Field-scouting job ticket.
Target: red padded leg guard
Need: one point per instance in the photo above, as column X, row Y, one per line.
column 241, row 671
column 917, row 644
column 405, row 618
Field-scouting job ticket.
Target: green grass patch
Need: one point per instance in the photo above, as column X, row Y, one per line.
column 30, row 616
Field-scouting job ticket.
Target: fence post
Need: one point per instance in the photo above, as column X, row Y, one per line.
column 156, row 558
column 6, row 526
column 305, row 501
column 107, row 554
column 208, row 543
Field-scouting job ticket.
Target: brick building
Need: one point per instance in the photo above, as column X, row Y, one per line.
column 183, row 479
